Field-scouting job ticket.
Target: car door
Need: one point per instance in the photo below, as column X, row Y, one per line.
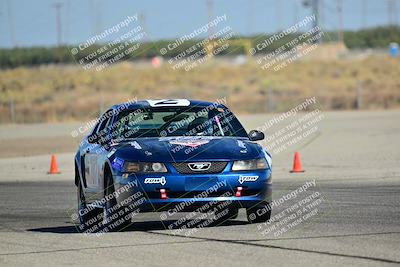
column 92, row 165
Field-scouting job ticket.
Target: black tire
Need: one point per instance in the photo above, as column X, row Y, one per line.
column 259, row 214
column 114, row 215
column 90, row 221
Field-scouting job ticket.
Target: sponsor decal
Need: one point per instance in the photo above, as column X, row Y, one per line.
column 199, row 166
column 247, row 178
column 148, row 153
column 136, row 145
column 242, row 145
column 169, row 102
column 185, row 138
column 160, row 180
column 189, row 142
column 118, row 164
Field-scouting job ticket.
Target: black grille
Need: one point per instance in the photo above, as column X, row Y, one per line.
column 215, row 167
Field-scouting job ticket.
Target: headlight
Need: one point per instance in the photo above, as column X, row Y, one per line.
column 248, row 165
column 146, row 167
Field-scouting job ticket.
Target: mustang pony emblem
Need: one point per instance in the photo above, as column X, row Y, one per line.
column 190, row 143
column 199, row 166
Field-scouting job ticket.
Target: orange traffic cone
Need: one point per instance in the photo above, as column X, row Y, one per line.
column 297, row 163
column 53, row 166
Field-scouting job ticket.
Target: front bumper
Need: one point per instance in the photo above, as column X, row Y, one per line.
column 193, row 192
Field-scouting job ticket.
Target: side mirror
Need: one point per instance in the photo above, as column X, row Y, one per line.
column 255, row 135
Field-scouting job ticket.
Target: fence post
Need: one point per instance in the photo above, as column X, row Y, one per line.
column 358, row 94
column 12, row 110
column 269, row 99
column 101, row 103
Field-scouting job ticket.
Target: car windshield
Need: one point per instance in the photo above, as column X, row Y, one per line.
column 177, row 121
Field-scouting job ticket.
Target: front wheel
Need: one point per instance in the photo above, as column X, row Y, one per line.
column 116, row 217
column 90, row 218
column 260, row 213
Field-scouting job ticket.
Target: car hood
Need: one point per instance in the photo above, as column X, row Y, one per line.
column 178, row 149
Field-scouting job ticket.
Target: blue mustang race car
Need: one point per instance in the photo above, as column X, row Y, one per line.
column 170, row 156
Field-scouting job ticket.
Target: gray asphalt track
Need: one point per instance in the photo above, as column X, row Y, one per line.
column 357, row 224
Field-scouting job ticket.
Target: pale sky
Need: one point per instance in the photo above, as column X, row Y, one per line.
column 27, row 23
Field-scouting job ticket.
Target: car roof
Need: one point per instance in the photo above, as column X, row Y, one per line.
column 165, row 103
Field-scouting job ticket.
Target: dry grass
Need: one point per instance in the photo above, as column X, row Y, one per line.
column 59, row 93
